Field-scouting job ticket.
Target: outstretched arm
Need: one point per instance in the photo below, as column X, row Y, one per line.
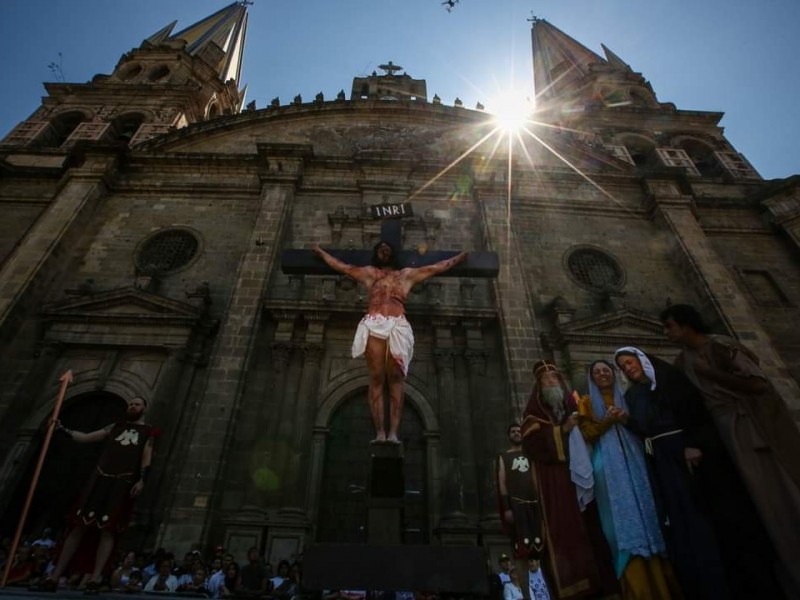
column 86, row 438
column 423, row 273
column 357, row 273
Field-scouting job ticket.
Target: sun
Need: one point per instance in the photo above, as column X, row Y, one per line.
column 511, row 110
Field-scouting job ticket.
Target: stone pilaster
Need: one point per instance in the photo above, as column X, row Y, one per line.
column 305, row 409
column 82, row 189
column 196, row 503
column 512, row 296
column 715, row 282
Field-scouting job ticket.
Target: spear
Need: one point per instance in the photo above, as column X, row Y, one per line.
column 65, row 380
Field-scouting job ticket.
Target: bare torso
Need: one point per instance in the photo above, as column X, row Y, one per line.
column 388, row 290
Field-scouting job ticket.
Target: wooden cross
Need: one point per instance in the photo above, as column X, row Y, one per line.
column 305, row 262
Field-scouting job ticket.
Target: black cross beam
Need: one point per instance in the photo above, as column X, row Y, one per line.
column 305, row 262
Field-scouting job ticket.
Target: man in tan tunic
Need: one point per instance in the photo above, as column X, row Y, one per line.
column 754, row 424
column 384, row 332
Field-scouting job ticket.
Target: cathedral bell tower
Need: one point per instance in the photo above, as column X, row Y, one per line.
column 170, row 81
column 618, row 110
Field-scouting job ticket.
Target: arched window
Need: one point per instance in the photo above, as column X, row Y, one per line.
column 640, row 97
column 213, row 110
column 128, row 72
column 68, row 465
column 61, row 128
column 702, row 155
column 125, row 127
column 639, row 147
column 158, row 72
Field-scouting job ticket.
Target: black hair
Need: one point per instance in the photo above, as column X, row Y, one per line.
column 685, row 315
column 392, row 262
column 597, row 362
column 510, row 427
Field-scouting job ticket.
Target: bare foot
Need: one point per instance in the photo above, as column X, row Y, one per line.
column 392, row 439
column 380, row 438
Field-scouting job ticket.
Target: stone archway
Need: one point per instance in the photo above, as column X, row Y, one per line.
column 67, row 467
column 341, row 515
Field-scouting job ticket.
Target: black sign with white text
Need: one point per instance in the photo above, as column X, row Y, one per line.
column 391, row 211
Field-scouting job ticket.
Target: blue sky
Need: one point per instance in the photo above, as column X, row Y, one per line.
column 739, row 57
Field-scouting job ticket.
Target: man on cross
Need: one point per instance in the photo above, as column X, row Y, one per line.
column 384, row 331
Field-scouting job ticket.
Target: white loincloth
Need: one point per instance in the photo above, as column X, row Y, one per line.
column 395, row 329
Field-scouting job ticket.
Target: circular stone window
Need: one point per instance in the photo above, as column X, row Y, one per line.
column 130, row 72
column 167, row 251
column 594, row 269
column 158, row 73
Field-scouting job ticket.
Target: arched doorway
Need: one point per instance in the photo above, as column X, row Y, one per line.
column 67, row 467
column 342, row 510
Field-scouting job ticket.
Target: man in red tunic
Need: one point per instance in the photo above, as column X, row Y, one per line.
column 548, row 419
column 118, row 479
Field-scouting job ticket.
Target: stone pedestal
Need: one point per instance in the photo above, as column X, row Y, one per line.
column 385, row 495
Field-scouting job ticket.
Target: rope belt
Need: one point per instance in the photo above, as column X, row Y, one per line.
column 648, row 442
column 523, row 501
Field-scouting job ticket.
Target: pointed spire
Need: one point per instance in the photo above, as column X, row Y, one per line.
column 558, row 60
column 161, row 35
column 226, row 28
column 615, row 60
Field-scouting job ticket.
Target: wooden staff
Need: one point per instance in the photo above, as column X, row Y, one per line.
column 65, row 380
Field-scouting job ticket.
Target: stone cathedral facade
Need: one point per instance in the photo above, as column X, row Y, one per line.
column 145, row 213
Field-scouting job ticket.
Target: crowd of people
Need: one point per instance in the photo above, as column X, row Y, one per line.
column 664, row 481
column 217, row 576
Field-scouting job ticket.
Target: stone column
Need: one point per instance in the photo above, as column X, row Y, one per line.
column 715, row 283
column 194, row 509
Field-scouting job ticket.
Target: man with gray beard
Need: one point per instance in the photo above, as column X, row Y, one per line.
column 575, row 568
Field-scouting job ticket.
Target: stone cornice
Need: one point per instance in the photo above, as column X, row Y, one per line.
column 276, row 306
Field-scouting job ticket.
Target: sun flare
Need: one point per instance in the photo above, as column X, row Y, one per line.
column 511, row 111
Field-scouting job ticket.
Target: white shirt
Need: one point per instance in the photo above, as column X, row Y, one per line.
column 511, row 592
column 170, row 582
column 215, row 582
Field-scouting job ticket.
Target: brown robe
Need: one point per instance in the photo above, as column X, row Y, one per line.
column 570, row 559
column 760, row 435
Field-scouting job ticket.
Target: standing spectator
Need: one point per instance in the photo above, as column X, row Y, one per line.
column 754, row 423
column 536, row 582
column 521, row 511
column 117, row 481
column 623, row 494
column 254, row 574
column 550, row 417
column 667, row 412
column 164, row 580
